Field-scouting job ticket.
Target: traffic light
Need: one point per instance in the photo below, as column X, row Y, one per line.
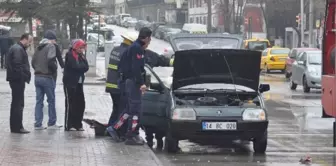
column 246, row 21
column 298, row 19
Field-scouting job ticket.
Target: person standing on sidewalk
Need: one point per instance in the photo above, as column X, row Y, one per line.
column 131, row 69
column 45, row 69
column 76, row 66
column 18, row 74
column 5, row 44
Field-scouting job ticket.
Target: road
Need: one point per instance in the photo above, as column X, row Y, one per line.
column 295, row 129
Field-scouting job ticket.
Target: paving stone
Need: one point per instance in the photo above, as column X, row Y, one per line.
column 56, row 147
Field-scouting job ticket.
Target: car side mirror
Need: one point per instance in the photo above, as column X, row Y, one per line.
column 156, row 86
column 300, row 62
column 264, row 88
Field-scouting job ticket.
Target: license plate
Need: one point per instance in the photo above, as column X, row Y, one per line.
column 219, row 125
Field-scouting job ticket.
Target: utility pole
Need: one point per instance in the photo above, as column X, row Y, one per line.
column 209, row 27
column 302, row 21
column 311, row 23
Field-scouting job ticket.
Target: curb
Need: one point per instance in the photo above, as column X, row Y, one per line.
column 155, row 158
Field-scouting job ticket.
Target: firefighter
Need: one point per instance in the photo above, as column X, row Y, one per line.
column 113, row 77
column 132, row 72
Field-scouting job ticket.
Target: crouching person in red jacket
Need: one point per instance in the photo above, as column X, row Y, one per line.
column 73, row 77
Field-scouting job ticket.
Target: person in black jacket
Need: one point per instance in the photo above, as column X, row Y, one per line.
column 18, row 73
column 75, row 67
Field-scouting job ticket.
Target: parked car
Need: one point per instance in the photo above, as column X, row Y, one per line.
column 155, row 25
column 274, row 59
column 93, row 37
column 208, row 105
column 121, row 17
column 142, row 23
column 159, row 32
column 306, row 70
column 292, row 56
column 111, row 20
column 169, row 32
column 131, row 22
column 123, row 22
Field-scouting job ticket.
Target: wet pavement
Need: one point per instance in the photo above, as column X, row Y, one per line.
column 58, row 148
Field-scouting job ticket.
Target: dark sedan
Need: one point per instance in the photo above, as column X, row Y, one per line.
column 214, row 98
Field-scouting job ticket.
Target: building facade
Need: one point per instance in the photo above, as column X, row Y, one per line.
column 158, row 11
column 120, row 6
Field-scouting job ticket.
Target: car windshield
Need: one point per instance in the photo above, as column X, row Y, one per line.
column 257, row 45
column 280, row 51
column 132, row 19
column 190, row 43
column 315, row 58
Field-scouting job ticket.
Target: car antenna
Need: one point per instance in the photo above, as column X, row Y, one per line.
column 233, row 82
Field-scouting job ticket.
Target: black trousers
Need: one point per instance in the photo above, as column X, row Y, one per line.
column 74, row 106
column 116, row 108
column 17, row 105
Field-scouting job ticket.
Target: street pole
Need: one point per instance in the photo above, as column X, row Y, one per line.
column 311, row 23
column 98, row 27
column 302, row 21
column 250, row 28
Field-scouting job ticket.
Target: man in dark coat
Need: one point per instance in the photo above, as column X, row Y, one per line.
column 18, row 74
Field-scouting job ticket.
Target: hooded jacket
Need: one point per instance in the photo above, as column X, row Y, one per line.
column 44, row 60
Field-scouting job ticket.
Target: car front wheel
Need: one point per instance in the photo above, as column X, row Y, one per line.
column 171, row 143
column 260, row 144
column 306, row 88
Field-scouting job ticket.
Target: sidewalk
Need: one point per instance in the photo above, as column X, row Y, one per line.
column 56, row 147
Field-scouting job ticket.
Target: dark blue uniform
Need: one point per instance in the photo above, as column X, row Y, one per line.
column 132, row 73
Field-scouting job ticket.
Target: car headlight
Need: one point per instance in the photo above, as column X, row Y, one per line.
column 184, row 114
column 253, row 114
column 313, row 71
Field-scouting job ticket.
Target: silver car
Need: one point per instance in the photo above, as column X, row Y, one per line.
column 306, row 71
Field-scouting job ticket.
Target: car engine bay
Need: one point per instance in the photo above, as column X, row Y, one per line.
column 216, row 99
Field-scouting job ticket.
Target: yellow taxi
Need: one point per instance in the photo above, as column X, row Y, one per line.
column 257, row 44
column 274, row 59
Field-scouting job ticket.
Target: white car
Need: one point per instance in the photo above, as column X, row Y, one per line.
column 131, row 22
column 93, row 37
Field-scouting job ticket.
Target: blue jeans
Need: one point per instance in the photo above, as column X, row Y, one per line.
column 45, row 86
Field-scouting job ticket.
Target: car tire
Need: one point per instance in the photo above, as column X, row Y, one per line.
column 171, row 143
column 292, row 84
column 260, row 144
column 306, row 88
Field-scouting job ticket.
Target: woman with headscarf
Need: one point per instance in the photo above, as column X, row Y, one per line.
column 73, row 77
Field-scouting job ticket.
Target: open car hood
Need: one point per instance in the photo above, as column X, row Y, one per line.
column 229, row 66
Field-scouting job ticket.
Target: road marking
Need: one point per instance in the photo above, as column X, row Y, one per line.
column 280, row 146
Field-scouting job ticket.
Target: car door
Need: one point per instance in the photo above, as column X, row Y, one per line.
column 263, row 59
column 295, row 69
column 155, row 103
column 301, row 68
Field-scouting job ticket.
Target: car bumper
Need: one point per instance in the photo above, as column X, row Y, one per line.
column 276, row 66
column 192, row 130
column 314, row 81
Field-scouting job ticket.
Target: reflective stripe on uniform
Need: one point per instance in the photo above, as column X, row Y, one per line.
column 171, row 62
column 114, row 67
column 109, row 85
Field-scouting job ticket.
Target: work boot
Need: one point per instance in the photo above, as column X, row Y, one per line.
column 159, row 145
column 113, row 133
column 134, row 140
